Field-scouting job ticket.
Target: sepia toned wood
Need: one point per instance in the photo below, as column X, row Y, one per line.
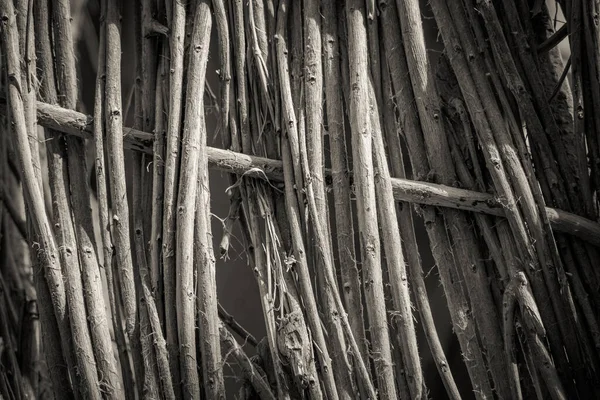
column 361, row 157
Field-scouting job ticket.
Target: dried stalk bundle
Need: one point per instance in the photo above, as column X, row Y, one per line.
column 352, row 155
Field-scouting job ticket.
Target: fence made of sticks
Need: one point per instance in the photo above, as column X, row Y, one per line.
column 341, row 135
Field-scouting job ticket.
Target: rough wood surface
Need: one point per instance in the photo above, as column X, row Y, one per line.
column 364, row 159
column 114, row 128
column 48, row 255
column 64, row 52
column 365, row 196
column 396, row 266
column 186, row 202
column 408, row 190
column 172, row 160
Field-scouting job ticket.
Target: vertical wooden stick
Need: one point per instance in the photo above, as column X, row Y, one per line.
column 206, row 292
column 395, row 258
column 186, row 200
column 116, row 163
column 365, row 196
column 175, row 67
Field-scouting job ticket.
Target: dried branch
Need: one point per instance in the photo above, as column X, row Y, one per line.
column 392, row 243
column 546, row 368
column 495, row 135
column 312, row 156
column 360, row 123
column 206, row 291
column 225, row 70
column 340, row 177
column 239, row 139
column 157, row 376
column 104, row 222
column 553, row 40
column 75, row 123
column 171, row 179
column 29, row 85
column 235, row 326
column 146, row 373
column 186, row 201
column 56, row 365
column 162, row 361
column 158, row 174
column 118, row 190
column 153, row 80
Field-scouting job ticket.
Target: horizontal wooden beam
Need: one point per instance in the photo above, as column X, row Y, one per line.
column 75, row 123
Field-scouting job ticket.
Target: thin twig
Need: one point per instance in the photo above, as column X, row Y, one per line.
column 225, row 69
column 236, row 327
column 553, row 40
column 29, row 85
column 158, row 174
column 235, row 203
column 560, row 82
column 249, row 370
column 546, row 368
column 164, row 374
